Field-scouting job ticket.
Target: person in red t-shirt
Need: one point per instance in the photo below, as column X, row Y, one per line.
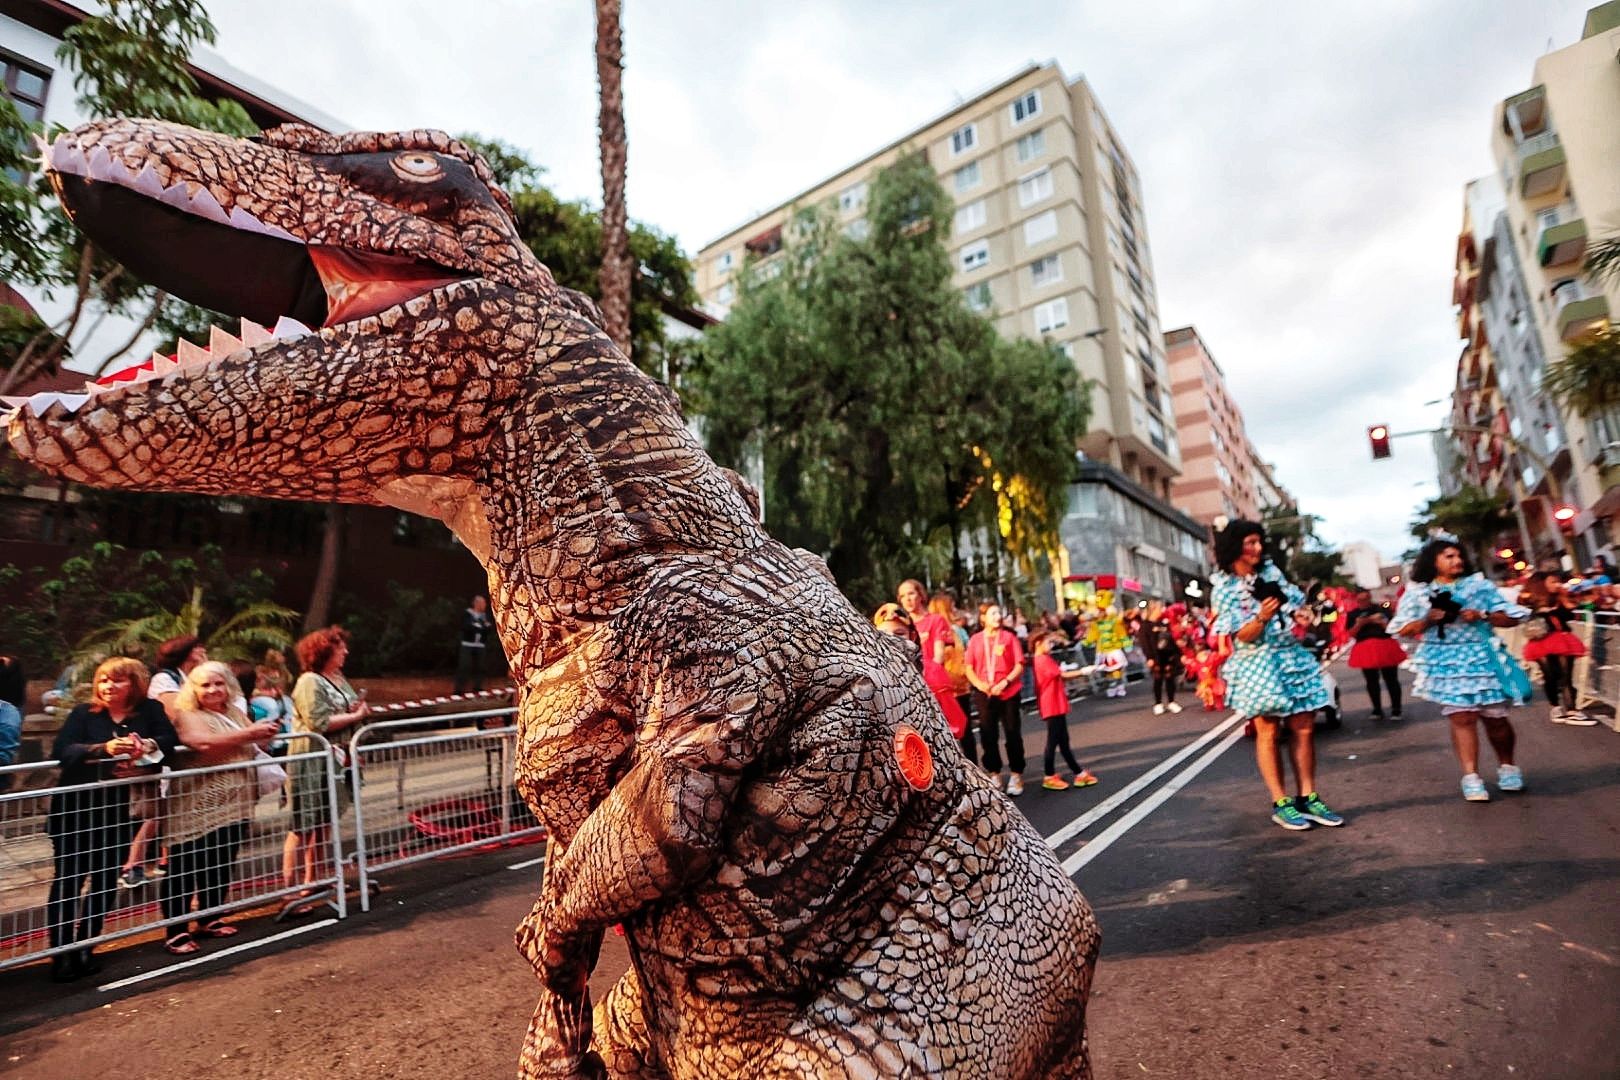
column 934, row 632
column 1053, row 700
column 995, row 667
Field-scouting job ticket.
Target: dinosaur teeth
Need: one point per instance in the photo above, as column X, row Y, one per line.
column 190, row 355
column 203, row 204
column 41, row 403
column 252, row 333
column 66, row 156
column 148, row 182
column 289, row 329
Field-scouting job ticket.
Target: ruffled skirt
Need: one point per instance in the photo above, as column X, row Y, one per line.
column 1461, row 673
column 1274, row 680
column 1562, row 643
column 1377, row 652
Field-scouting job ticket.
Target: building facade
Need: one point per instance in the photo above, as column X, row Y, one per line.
column 1115, row 529
column 1504, row 436
column 1218, row 473
column 1049, row 241
column 1557, row 149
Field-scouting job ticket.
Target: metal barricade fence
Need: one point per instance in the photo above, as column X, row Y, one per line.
column 421, row 793
column 65, row 850
column 1597, row 674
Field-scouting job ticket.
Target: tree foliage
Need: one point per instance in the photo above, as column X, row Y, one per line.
column 1587, row 380
column 567, row 237
column 883, row 410
column 1475, row 517
column 111, row 600
column 130, row 60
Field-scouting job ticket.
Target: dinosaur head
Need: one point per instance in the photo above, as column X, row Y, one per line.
column 403, row 311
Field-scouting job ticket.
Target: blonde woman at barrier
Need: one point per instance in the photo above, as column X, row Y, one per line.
column 209, row 812
column 91, row 829
column 323, row 702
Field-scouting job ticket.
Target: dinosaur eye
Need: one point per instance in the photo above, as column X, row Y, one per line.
column 417, row 166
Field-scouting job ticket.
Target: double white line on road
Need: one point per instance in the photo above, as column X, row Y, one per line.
column 1231, row 727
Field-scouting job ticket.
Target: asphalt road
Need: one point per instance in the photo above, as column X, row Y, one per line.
column 1427, row 937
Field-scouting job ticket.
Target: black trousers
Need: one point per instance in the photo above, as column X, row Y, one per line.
column 469, row 669
column 1558, row 678
column 1057, row 738
column 970, row 748
column 201, row 868
column 1002, row 714
column 92, row 854
column 1392, row 679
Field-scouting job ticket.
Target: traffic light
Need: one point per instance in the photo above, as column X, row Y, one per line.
column 1378, row 436
column 1565, row 516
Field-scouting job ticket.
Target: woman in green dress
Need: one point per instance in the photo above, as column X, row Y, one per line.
column 323, row 702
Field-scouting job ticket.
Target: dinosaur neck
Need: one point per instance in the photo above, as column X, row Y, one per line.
column 582, row 514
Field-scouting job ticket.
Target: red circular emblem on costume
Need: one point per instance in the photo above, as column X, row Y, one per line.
column 916, row 761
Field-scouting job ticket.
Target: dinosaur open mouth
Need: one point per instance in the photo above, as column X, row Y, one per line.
column 179, row 238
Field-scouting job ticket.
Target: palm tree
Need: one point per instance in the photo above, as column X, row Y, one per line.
column 1587, row 380
column 244, row 635
column 617, row 266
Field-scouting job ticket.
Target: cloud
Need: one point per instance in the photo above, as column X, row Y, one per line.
column 1302, row 165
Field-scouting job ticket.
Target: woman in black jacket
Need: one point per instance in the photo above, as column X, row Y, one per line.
column 90, row 828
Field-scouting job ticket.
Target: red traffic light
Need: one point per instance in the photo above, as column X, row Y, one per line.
column 1378, row 437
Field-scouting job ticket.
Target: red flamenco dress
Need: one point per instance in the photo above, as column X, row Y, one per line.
column 1374, row 648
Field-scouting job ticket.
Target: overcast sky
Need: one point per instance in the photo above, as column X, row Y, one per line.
column 1302, row 170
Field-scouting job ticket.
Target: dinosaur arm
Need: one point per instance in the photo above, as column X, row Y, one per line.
column 658, row 829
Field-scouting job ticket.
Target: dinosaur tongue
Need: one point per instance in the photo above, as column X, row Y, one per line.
column 359, row 284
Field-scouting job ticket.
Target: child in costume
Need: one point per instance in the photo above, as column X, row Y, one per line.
column 1053, row 700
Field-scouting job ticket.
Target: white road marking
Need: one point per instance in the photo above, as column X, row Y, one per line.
column 1107, row 806
column 1074, row 863
column 525, row 865
column 195, row 960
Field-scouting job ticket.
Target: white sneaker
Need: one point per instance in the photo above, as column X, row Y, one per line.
column 1158, row 710
column 1573, row 717
column 1015, row 785
column 1173, row 707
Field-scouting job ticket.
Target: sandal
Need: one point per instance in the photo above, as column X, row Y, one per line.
column 182, row 944
column 219, row 928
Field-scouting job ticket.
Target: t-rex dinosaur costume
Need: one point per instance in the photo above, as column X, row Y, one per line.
column 733, row 764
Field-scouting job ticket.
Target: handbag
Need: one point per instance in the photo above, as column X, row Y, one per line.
column 1515, row 681
column 1537, row 627
column 271, row 776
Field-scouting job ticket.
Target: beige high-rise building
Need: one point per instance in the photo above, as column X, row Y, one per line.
column 1049, row 238
column 1218, row 473
column 1557, row 148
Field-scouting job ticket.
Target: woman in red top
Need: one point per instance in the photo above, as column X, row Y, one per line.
column 995, row 667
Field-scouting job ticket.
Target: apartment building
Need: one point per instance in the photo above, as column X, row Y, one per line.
column 1050, row 241
column 1218, row 474
column 1504, row 435
column 1557, row 149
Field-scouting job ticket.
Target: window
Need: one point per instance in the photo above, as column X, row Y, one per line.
column 1031, row 146
column 964, row 138
column 723, row 263
column 1045, row 271
column 26, row 87
column 858, row 229
column 852, row 197
column 1040, row 227
column 970, row 217
column 1067, row 349
column 1027, row 106
column 978, row 296
column 726, row 293
column 1035, row 187
column 967, row 176
column 1052, row 315
column 975, row 255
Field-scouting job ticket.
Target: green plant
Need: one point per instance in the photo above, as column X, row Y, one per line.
column 411, row 632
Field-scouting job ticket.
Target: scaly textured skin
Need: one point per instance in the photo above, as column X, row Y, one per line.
column 707, row 727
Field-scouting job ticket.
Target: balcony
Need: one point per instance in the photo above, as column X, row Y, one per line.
column 1542, row 166
column 1580, row 312
column 1526, row 112
column 1562, row 240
